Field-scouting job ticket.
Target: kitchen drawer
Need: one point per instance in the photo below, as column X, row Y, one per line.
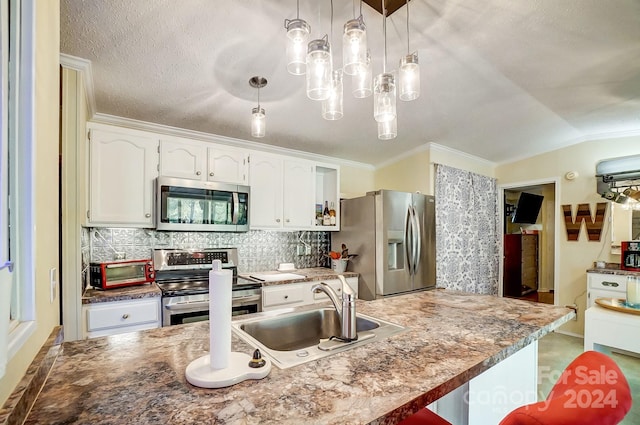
column 608, row 282
column 283, row 295
column 122, row 314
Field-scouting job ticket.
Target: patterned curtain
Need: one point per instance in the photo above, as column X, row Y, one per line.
column 467, row 231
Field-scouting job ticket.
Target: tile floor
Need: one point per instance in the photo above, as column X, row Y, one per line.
column 557, row 350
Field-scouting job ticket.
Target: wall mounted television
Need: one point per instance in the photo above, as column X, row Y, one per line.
column 527, row 209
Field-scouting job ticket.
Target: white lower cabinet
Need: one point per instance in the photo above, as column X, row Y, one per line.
column 604, row 285
column 116, row 317
column 299, row 294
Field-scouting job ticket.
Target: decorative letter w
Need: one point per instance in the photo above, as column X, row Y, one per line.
column 594, row 227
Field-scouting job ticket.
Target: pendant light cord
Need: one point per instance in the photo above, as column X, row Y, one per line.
column 331, row 38
column 384, row 31
column 408, row 49
column 258, row 98
column 298, row 9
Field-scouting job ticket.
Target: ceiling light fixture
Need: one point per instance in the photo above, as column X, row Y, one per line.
column 354, row 45
column 362, row 81
column 388, row 130
column 333, row 105
column 384, row 86
column 319, row 69
column 297, row 36
column 409, row 71
column 258, row 121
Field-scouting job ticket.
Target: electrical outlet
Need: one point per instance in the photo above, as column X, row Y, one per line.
column 307, row 250
column 300, row 249
column 54, row 284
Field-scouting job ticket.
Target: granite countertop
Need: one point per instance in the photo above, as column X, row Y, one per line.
column 92, row 295
column 310, row 274
column 139, row 377
column 615, row 271
column 148, row 290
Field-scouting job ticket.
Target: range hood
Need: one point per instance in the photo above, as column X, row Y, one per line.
column 617, row 176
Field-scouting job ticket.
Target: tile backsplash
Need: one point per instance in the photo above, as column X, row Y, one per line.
column 257, row 250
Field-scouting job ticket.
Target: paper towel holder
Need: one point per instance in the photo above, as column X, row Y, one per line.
column 222, row 367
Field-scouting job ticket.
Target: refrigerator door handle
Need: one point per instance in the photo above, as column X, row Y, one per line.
column 408, row 240
column 417, row 235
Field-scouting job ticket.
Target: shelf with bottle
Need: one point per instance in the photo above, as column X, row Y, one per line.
column 327, row 197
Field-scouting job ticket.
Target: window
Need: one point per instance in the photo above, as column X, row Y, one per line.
column 16, row 176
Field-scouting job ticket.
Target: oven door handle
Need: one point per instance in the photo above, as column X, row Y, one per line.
column 246, row 298
column 187, row 306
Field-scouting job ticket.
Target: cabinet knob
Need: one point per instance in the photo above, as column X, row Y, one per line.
column 147, row 215
column 277, row 220
column 211, row 174
column 125, row 316
column 198, row 173
column 287, row 220
column 286, row 297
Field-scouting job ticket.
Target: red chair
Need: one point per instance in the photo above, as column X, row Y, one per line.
column 424, row 417
column 591, row 390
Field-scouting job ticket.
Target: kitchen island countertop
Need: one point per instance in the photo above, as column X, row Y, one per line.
column 139, row 377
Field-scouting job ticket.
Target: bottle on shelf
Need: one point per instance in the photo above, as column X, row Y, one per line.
column 332, row 215
column 326, row 218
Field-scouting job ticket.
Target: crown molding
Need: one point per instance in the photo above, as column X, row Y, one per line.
column 83, row 66
column 214, row 138
column 434, row 147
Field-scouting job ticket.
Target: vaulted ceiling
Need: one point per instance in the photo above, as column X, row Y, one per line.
column 501, row 79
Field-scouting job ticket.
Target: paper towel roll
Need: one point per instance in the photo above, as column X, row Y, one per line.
column 220, row 282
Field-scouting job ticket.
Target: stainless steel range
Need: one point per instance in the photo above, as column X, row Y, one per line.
column 183, row 277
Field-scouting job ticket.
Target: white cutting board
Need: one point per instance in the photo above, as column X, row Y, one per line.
column 277, row 277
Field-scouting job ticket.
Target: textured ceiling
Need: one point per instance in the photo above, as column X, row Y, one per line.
column 501, row 79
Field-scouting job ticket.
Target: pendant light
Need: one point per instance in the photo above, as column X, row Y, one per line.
column 388, row 130
column 362, row 80
column 354, row 44
column 319, row 69
column 384, row 86
column 409, row 71
column 258, row 121
column 332, row 108
column 297, row 37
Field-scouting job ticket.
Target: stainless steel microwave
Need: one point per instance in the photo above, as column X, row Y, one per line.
column 190, row 205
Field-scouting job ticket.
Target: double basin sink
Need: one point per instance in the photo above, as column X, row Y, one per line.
column 290, row 338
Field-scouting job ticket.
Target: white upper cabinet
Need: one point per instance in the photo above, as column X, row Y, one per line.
column 265, row 200
column 298, row 194
column 183, row 158
column 228, row 165
column 284, row 192
column 197, row 160
column 122, row 171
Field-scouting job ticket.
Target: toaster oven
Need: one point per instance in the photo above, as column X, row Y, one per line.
column 119, row 274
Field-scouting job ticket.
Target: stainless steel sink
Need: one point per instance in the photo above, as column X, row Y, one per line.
column 291, row 338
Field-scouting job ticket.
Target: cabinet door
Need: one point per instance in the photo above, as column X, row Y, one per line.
column 227, row 165
column 298, row 194
column 123, row 168
column 183, row 159
column 265, row 200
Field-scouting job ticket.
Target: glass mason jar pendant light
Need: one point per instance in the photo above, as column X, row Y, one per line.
column 409, row 71
column 319, row 69
column 362, row 80
column 384, row 86
column 354, row 45
column 332, row 107
column 258, row 121
column 384, row 97
column 297, row 38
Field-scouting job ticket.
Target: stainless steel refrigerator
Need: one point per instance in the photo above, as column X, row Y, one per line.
column 393, row 235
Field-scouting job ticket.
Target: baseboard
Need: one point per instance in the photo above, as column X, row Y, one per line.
column 569, row 334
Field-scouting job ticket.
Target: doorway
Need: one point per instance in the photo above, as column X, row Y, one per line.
column 529, row 241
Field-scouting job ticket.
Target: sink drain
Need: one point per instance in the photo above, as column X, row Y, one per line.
column 302, row 353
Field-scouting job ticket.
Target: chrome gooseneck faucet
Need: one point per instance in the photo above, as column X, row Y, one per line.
column 346, row 308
